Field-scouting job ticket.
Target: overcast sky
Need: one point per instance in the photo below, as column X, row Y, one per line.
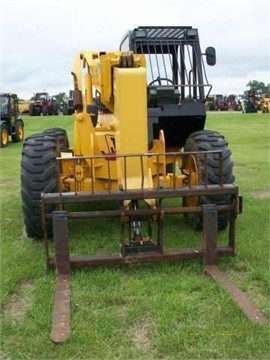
column 40, row 38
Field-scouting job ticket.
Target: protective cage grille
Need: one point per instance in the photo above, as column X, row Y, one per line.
column 166, row 33
column 173, row 59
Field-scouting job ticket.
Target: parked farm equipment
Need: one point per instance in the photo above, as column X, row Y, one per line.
column 264, row 104
column 249, row 103
column 24, row 106
column 68, row 108
column 135, row 145
column 11, row 124
column 43, row 104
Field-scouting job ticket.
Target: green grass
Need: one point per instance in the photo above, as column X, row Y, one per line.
column 157, row 311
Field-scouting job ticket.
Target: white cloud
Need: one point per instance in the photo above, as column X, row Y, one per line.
column 41, row 38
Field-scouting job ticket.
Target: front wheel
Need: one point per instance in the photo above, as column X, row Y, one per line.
column 39, row 173
column 32, row 110
column 207, row 140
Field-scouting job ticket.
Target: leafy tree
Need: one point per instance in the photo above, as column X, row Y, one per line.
column 258, row 87
column 61, row 97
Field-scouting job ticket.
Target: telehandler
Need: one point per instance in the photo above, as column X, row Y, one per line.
column 139, row 140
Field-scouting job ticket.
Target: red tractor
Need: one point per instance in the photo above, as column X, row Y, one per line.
column 220, row 103
column 43, row 104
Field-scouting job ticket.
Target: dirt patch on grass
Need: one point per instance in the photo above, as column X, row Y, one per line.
column 261, row 194
column 139, row 335
column 3, row 356
column 17, row 304
column 239, row 165
column 5, row 182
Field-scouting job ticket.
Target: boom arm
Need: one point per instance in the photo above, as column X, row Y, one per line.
column 93, row 72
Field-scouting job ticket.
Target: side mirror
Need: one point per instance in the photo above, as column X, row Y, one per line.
column 210, row 53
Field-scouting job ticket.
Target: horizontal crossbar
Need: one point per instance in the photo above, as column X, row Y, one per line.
column 79, row 197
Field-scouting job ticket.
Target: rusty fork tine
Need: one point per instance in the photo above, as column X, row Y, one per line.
column 211, row 269
column 61, row 311
column 251, row 311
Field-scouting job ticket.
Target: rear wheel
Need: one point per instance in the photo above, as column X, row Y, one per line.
column 45, row 111
column 19, row 132
column 59, row 134
column 32, row 110
column 39, row 173
column 207, row 140
column 56, row 109
column 4, row 135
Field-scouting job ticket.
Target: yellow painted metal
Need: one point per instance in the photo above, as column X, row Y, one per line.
column 190, row 167
column 83, row 127
column 264, row 104
column 120, row 82
column 23, row 106
column 97, row 69
column 131, row 115
column 88, row 90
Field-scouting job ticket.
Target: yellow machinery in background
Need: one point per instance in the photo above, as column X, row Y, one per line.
column 264, row 104
column 24, row 106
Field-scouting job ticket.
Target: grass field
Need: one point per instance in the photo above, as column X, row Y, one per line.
column 158, row 311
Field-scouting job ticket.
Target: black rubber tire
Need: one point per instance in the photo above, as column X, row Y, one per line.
column 39, row 173
column 206, row 140
column 59, row 134
column 45, row 111
column 4, row 135
column 32, row 110
column 19, row 132
column 55, row 109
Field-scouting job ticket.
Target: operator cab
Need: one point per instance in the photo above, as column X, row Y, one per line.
column 176, row 78
column 8, row 106
column 4, row 101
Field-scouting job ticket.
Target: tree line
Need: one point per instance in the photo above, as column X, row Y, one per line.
column 258, row 87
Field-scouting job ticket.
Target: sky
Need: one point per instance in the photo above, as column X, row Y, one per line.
column 41, row 38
